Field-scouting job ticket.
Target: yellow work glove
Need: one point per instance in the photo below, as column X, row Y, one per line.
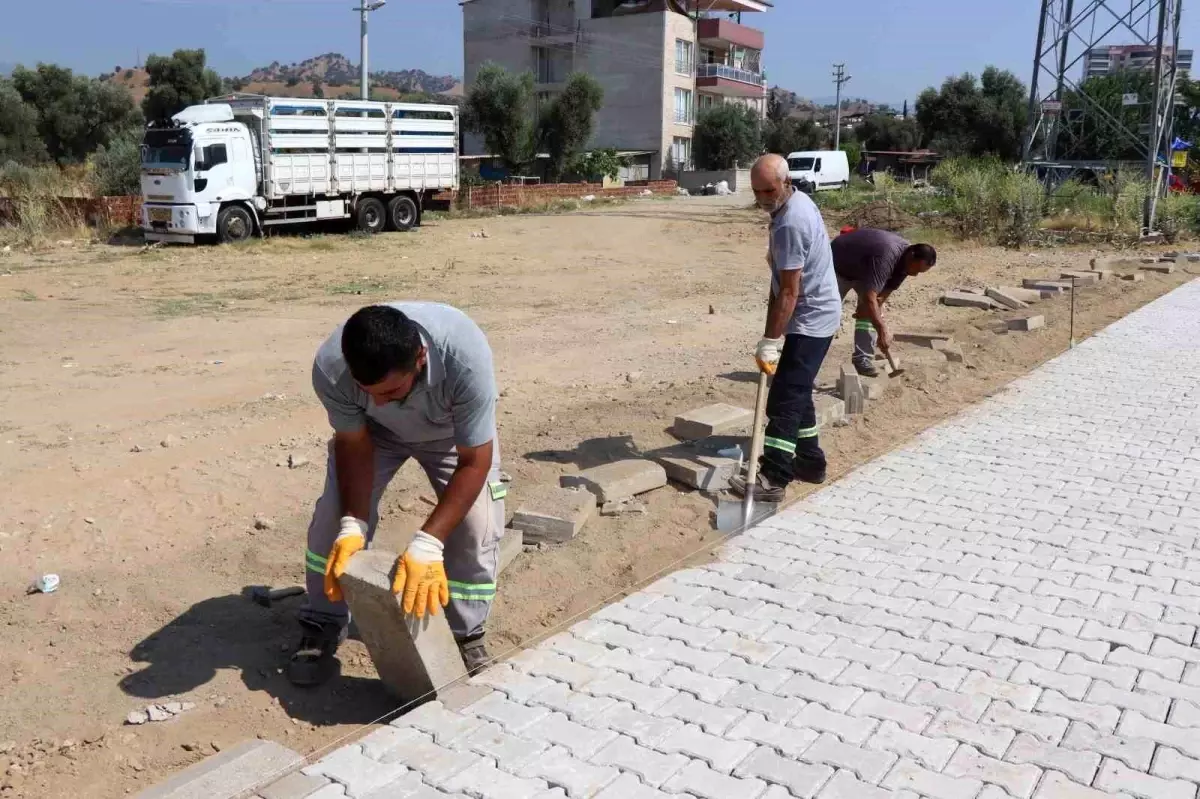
column 351, row 539
column 767, row 354
column 421, row 576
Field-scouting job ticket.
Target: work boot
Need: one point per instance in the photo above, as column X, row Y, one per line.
column 865, row 367
column 314, row 660
column 765, row 489
column 475, row 656
column 808, row 471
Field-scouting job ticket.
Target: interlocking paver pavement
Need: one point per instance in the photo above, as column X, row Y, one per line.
column 1006, row 607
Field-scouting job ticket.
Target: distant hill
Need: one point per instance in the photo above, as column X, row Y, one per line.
column 335, row 74
column 334, row 69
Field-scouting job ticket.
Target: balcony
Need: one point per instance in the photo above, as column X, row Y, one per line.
column 721, row 33
column 730, row 81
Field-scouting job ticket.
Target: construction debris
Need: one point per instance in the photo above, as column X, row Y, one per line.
column 1047, row 285
column 705, row 464
column 1160, row 268
column 850, row 388
column 618, row 480
column 1080, row 278
column 629, row 507
column 1008, row 300
column 963, row 299
column 1028, row 323
column 830, row 409
column 550, row 513
column 711, row 420
column 930, row 340
column 953, row 353
column 1134, row 277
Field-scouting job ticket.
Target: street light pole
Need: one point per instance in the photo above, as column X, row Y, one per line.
column 839, row 77
column 364, row 9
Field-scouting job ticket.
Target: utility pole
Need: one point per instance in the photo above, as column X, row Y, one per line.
column 363, row 9
column 839, row 78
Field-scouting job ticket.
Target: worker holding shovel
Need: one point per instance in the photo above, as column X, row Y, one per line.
column 804, row 313
column 873, row 263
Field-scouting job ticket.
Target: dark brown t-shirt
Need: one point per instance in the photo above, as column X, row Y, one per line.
column 871, row 258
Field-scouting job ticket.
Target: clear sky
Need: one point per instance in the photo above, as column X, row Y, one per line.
column 892, row 48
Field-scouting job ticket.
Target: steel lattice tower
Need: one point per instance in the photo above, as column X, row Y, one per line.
column 1068, row 30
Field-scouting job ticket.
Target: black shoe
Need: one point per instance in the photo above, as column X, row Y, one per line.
column 809, row 472
column 765, row 489
column 475, row 656
column 314, row 659
column 866, row 368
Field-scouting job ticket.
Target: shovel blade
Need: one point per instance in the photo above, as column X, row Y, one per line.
column 731, row 514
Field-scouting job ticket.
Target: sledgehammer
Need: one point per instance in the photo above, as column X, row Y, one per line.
column 892, row 365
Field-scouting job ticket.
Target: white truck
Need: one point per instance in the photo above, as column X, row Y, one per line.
column 234, row 166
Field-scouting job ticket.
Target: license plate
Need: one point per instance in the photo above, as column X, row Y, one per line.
column 160, row 214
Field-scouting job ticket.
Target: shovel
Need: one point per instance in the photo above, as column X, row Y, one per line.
column 735, row 515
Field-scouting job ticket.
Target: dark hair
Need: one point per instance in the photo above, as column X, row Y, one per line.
column 377, row 341
column 924, row 253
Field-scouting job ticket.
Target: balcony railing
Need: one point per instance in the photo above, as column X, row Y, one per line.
column 730, row 73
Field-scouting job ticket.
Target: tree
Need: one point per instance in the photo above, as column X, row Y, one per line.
column 725, row 136
column 567, row 121
column 177, row 82
column 605, row 163
column 498, row 107
column 880, row 132
column 853, row 151
column 1086, row 129
column 118, row 165
column 789, row 135
column 318, row 90
column 975, row 119
column 292, row 80
column 75, row 114
column 19, row 139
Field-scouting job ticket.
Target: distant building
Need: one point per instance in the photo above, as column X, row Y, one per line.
column 658, row 64
column 1136, row 57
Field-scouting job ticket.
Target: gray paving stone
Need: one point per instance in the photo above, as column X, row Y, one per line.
column 485, row 781
column 699, row 780
column 228, row 773
column 1080, row 766
column 1057, row 786
column 350, row 767
column 294, row 786
column 1016, row 780
column 580, row 780
column 933, row 753
column 1133, row 752
column 653, row 767
column 801, row 779
column 867, row 764
column 908, row 775
column 1119, row 778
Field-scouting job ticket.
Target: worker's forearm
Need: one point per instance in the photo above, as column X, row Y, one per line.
column 875, row 314
column 355, row 476
column 460, row 494
column 782, row 306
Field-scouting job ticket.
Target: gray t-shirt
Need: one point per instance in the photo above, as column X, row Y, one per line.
column 799, row 241
column 455, row 398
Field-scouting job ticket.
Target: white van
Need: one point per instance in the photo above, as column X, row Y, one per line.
column 818, row 170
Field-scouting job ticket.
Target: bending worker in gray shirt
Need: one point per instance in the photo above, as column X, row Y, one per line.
column 803, row 314
column 874, row 263
column 399, row 381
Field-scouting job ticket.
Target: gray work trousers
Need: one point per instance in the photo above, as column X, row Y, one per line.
column 865, row 334
column 472, row 550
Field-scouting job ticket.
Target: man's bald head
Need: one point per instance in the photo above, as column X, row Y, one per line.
column 770, row 181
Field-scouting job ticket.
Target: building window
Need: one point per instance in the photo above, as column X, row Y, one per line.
column 681, row 152
column 684, row 109
column 685, row 57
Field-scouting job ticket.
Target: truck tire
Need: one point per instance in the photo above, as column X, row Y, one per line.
column 370, row 215
column 234, row 224
column 402, row 213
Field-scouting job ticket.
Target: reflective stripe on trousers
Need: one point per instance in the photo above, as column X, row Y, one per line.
column 471, row 552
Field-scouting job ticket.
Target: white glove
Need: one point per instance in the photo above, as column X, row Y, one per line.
column 425, row 548
column 767, row 354
column 351, row 539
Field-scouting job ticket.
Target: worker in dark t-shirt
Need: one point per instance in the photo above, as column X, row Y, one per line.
column 874, row 263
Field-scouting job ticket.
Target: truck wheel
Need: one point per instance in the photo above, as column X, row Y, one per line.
column 234, row 224
column 370, row 216
column 402, row 213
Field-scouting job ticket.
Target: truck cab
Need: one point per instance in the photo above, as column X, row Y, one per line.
column 198, row 177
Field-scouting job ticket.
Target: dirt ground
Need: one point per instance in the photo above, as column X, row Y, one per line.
column 150, row 402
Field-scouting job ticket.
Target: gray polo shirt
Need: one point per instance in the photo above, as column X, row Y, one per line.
column 455, row 398
column 799, row 241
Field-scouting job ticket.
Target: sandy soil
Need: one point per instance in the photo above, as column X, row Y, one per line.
column 151, row 401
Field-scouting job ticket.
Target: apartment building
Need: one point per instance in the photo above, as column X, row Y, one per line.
column 1137, row 57
column 659, row 62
